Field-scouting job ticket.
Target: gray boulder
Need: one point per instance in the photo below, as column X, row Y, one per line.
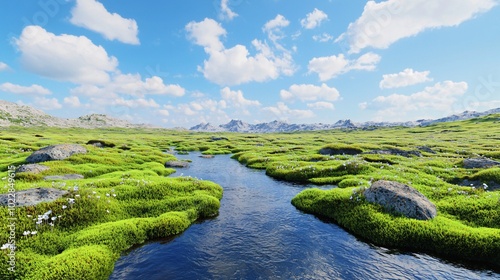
column 177, row 164
column 56, row 152
column 396, row 152
column 32, row 168
column 32, row 196
column 479, row 163
column 402, row 199
column 64, row 177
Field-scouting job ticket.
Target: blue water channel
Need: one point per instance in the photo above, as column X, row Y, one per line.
column 260, row 235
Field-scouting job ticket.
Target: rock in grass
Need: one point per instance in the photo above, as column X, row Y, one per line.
column 402, row 199
column 100, row 144
column 479, row 163
column 177, row 164
column 396, row 152
column 33, row 196
column 56, row 152
column 32, row 168
column 340, row 151
column 64, row 177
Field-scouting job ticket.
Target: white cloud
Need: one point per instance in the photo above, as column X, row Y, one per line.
column 236, row 65
column 130, row 84
column 324, row 37
column 93, row 15
column 64, row 57
column 308, row 92
column 47, row 103
column 235, row 99
column 383, row 23
column 404, row 78
column 31, row 90
column 164, row 112
column 313, row 19
column 321, row 105
column 3, row 66
column 439, row 98
column 283, row 112
column 226, row 12
column 72, row 101
column 136, row 103
column 207, row 34
column 331, row 66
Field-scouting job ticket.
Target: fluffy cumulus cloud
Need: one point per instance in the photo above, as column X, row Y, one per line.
column 225, row 11
column 233, row 66
column 308, row 92
column 321, row 105
column 283, row 112
column 93, row 15
column 323, row 38
column 72, row 101
column 331, row 66
column 404, row 78
column 439, row 98
column 64, row 57
column 24, row 90
column 236, row 99
column 313, row 19
column 46, row 103
column 136, row 103
column 383, row 23
column 3, row 66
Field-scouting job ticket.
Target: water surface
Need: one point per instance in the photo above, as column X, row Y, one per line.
column 260, row 235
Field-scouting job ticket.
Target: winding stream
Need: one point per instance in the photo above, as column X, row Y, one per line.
column 260, row 235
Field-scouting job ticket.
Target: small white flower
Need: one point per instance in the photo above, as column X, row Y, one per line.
column 114, row 195
column 64, row 207
column 107, row 194
column 34, row 232
column 7, row 246
column 53, row 218
column 98, row 197
column 107, row 211
column 93, row 192
column 71, row 200
column 26, row 233
column 29, row 216
column 75, row 188
column 77, row 196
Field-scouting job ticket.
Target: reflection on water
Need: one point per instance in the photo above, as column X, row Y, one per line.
column 260, row 235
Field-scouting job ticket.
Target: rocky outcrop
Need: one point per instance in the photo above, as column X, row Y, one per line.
column 177, row 164
column 401, row 199
column 340, row 151
column 396, row 152
column 100, row 144
column 32, row 196
column 64, row 177
column 479, row 162
column 56, row 152
column 426, row 149
column 31, row 168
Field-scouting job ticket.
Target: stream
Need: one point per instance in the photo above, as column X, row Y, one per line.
column 260, row 235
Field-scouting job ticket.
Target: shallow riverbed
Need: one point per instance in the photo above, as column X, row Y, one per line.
column 260, row 235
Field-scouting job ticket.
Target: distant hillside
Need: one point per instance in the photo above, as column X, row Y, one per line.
column 14, row 114
column 279, row 126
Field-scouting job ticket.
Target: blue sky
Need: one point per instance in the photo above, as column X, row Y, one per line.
column 180, row 63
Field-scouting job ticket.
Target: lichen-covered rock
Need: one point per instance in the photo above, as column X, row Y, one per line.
column 402, row 199
column 479, row 163
column 32, row 168
column 56, row 152
column 177, row 164
column 32, row 196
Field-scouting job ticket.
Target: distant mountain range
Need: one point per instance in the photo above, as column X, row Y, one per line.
column 279, row 126
column 21, row 115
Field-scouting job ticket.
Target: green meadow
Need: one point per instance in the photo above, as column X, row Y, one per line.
column 127, row 197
